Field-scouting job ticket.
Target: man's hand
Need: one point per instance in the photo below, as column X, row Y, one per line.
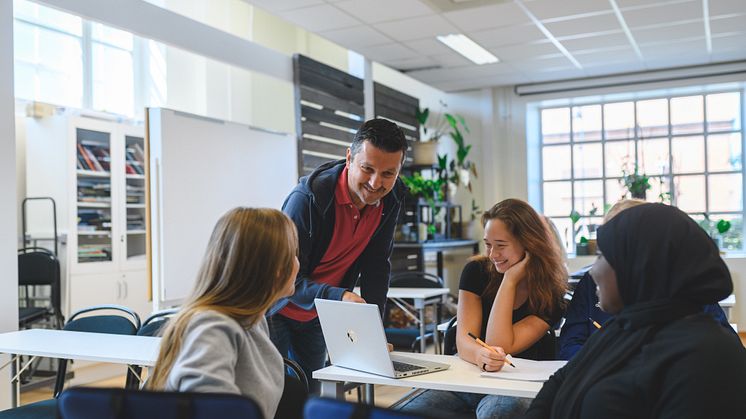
column 352, row 297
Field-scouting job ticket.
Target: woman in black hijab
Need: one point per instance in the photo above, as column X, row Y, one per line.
column 660, row 356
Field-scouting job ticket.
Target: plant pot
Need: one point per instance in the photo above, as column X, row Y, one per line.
column 425, row 152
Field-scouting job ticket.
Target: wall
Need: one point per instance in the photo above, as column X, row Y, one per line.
column 8, row 213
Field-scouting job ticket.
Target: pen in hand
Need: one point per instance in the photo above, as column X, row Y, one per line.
column 481, row 342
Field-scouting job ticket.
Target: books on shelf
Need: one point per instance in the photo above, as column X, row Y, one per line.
column 135, row 220
column 93, row 156
column 94, row 252
column 135, row 158
column 91, row 219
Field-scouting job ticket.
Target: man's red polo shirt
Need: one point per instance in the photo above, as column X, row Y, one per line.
column 352, row 232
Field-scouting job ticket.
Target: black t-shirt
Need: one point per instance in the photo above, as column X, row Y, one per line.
column 474, row 279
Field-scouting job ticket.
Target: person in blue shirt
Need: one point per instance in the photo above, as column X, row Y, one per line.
column 583, row 310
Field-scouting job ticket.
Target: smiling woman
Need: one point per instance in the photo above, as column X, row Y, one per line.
column 510, row 298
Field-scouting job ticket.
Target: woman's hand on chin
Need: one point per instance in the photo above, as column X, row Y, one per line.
column 515, row 274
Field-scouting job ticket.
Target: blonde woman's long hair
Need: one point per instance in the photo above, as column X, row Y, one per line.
column 244, row 271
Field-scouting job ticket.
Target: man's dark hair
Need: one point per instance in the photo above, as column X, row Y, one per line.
column 382, row 134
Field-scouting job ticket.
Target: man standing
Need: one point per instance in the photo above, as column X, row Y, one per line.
column 346, row 212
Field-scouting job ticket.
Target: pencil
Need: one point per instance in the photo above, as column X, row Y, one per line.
column 595, row 323
column 481, row 342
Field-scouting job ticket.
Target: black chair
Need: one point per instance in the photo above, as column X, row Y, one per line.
column 111, row 403
column 38, row 267
column 122, row 324
column 152, row 326
column 409, row 337
column 449, row 338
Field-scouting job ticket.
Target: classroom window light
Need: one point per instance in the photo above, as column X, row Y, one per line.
column 468, row 48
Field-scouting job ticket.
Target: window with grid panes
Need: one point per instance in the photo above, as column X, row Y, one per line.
column 690, row 147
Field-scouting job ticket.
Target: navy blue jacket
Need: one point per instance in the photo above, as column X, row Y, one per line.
column 578, row 328
column 311, row 207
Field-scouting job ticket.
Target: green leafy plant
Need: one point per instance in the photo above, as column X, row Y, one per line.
column 636, row 183
column 431, row 190
column 723, row 226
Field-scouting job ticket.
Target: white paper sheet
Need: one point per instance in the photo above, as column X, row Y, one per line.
column 527, row 370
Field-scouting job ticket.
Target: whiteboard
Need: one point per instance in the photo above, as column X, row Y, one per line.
column 199, row 168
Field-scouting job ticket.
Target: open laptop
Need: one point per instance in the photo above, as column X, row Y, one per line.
column 355, row 339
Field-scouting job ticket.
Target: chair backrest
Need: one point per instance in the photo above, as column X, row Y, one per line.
column 322, row 408
column 38, row 266
column 82, row 321
column 449, row 338
column 415, row 279
column 154, row 323
column 117, row 324
column 111, row 403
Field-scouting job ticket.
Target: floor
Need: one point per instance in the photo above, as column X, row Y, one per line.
column 384, row 395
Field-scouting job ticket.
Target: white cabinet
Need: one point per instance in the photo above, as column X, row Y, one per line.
column 94, row 169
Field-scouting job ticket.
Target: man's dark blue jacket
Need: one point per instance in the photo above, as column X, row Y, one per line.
column 311, row 207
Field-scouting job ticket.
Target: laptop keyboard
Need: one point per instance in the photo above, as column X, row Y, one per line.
column 404, row 367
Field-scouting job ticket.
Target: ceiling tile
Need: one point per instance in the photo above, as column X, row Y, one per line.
column 613, row 68
column 479, row 18
column 723, row 7
column 384, row 53
column 663, row 14
column 602, row 57
column 320, row 18
column 571, row 73
column 545, row 64
column 451, row 59
column 729, row 43
column 679, row 60
column 624, row 4
column 471, row 84
column 428, row 46
column 524, row 51
column 606, row 22
column 729, row 24
column 548, row 9
column 384, row 10
column 283, row 5
column 687, row 47
column 417, row 28
column 731, row 55
column 465, row 72
column 668, row 33
column 356, row 37
column 595, row 42
column 509, row 35
column 412, row 63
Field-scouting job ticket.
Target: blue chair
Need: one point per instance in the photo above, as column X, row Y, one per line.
column 322, row 408
column 112, row 403
column 80, row 321
column 152, row 326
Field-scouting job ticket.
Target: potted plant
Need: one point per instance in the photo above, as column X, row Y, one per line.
column 636, row 183
column 429, row 190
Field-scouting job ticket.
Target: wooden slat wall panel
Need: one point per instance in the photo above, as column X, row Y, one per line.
column 399, row 107
column 325, row 96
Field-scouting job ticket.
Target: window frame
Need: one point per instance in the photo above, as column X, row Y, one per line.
column 636, row 138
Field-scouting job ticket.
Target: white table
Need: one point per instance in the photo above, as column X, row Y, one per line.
column 421, row 298
column 62, row 344
column 461, row 376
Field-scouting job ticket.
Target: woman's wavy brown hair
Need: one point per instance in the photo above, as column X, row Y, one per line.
column 546, row 275
column 244, row 271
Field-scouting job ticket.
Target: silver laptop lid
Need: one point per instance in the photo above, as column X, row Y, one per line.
column 354, row 336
